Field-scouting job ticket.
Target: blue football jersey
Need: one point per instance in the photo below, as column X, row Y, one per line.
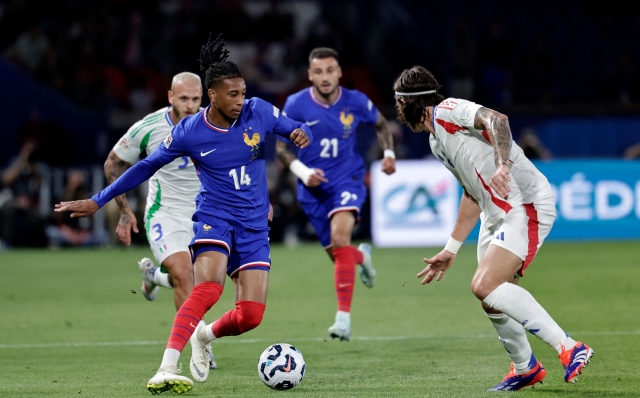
column 230, row 163
column 333, row 126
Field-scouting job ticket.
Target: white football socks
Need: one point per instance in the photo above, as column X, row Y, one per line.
column 514, row 339
column 344, row 318
column 160, row 278
column 208, row 334
column 520, row 305
column 170, row 360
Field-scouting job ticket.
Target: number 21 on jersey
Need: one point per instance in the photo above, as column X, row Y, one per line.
column 329, row 148
column 244, row 177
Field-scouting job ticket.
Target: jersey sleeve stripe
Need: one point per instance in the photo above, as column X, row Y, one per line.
column 451, row 128
column 146, row 123
column 496, row 201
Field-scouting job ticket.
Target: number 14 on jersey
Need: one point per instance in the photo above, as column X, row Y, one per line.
column 244, row 177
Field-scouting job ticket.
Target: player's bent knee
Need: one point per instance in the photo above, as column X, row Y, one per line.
column 480, row 290
column 251, row 314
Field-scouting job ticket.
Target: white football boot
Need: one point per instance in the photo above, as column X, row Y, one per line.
column 149, row 289
column 200, row 359
column 341, row 329
column 365, row 270
column 169, row 380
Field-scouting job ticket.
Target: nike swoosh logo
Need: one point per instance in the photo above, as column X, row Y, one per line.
column 288, row 367
column 344, row 285
column 201, row 374
column 203, row 154
column 308, row 123
column 192, row 325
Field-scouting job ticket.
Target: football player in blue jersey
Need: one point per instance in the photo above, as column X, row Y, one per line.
column 331, row 173
column 226, row 143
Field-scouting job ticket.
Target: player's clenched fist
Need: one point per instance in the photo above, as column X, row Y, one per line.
column 300, row 138
column 388, row 166
column 79, row 208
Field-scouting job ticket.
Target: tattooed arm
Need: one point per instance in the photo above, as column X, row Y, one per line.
column 386, row 143
column 497, row 127
column 114, row 167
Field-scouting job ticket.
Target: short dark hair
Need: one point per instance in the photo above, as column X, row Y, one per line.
column 411, row 107
column 323, row 52
column 213, row 60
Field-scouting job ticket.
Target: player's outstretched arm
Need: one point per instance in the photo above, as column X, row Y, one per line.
column 133, row 177
column 78, row 208
column 114, row 167
column 309, row 176
column 386, row 143
column 497, row 126
column 468, row 215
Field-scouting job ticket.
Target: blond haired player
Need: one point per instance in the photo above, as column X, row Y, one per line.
column 516, row 208
column 171, row 198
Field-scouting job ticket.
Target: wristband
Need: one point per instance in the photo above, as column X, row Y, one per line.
column 388, row 153
column 452, row 246
column 301, row 171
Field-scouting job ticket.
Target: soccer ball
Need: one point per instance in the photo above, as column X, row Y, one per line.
column 281, row 366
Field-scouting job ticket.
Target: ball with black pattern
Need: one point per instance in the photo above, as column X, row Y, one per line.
column 281, row 366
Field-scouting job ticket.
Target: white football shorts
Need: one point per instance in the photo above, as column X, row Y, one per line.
column 522, row 231
column 168, row 234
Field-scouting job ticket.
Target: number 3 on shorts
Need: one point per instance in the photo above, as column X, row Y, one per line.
column 158, row 229
column 347, row 196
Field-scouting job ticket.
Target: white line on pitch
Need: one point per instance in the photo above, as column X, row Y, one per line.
column 249, row 341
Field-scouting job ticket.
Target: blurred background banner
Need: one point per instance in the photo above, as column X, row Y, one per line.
column 595, row 199
column 416, row 206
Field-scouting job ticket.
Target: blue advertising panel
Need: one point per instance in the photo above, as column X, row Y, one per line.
column 595, row 199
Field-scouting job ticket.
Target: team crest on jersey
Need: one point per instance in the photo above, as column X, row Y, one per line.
column 252, row 141
column 346, row 119
column 206, row 228
column 168, row 140
column 124, row 144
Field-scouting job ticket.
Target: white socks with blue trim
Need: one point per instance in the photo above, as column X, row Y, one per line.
column 514, row 339
column 520, row 305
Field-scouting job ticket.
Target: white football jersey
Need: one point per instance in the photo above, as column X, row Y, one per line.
column 172, row 188
column 468, row 154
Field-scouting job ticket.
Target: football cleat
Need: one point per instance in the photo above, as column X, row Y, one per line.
column 212, row 359
column 574, row 360
column 166, row 380
column 341, row 329
column 200, row 359
column 337, row 331
column 515, row 382
column 365, row 270
column 149, row 289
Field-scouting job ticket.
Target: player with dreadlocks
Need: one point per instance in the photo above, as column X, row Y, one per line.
column 226, row 142
column 516, row 207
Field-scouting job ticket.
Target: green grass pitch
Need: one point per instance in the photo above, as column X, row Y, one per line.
column 70, row 325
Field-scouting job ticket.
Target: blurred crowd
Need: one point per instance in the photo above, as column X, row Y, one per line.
column 118, row 57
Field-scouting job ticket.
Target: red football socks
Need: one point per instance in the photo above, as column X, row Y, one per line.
column 358, row 257
column 344, row 276
column 203, row 297
column 246, row 316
